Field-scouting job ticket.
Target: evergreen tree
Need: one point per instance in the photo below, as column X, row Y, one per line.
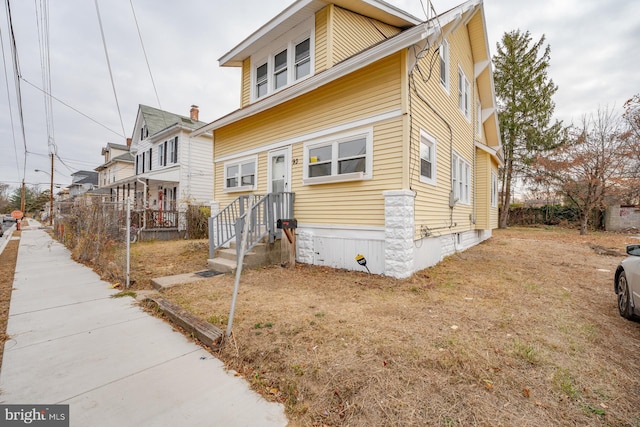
column 525, row 108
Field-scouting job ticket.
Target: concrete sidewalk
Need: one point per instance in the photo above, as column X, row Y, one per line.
column 115, row 365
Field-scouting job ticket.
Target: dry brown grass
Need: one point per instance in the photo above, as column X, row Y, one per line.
column 520, row 330
column 165, row 258
column 7, row 269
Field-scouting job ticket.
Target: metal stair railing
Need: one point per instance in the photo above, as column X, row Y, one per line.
column 263, row 212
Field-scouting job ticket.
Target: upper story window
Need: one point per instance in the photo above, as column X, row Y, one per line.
column 444, row 65
column 261, row 80
column 283, row 62
column 464, row 93
column 149, row 159
column 173, row 150
column 427, row 158
column 280, row 69
column 162, row 154
column 303, row 59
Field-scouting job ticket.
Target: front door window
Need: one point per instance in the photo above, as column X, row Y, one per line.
column 279, row 171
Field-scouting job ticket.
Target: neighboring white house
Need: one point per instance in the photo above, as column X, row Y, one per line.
column 118, row 166
column 170, row 169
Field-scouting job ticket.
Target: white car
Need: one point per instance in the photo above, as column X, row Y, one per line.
column 626, row 283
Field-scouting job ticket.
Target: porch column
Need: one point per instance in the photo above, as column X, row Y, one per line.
column 399, row 206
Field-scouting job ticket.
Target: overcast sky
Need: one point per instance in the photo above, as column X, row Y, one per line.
column 595, row 61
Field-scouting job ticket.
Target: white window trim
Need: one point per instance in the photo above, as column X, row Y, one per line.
column 464, row 95
column 268, row 55
column 494, row 190
column 461, row 184
column 334, row 140
column 241, row 188
column 428, row 139
column 444, row 55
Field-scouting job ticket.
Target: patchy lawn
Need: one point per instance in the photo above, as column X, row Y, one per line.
column 520, row 330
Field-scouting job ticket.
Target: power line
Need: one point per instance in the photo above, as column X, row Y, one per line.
column 16, row 76
column 155, row 90
column 42, row 21
column 72, row 108
column 6, row 80
column 106, row 53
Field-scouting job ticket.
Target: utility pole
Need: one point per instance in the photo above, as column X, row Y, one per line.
column 51, row 194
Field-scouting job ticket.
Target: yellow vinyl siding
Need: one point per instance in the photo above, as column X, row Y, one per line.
column 245, row 95
column 477, row 38
column 432, row 202
column 322, row 39
column 483, row 189
column 352, row 33
column 367, row 92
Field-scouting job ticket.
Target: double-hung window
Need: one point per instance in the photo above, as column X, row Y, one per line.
column 444, row 64
column 262, row 80
column 461, row 179
column 280, row 69
column 162, row 154
column 283, row 63
column 344, row 158
column 149, row 158
column 494, row 190
column 427, row 158
column 464, row 93
column 173, row 150
column 240, row 175
column 302, row 59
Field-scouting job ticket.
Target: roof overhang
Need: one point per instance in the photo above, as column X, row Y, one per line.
column 495, row 152
column 363, row 59
column 300, row 11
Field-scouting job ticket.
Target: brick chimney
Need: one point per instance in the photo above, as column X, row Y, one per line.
column 194, row 112
column 128, row 142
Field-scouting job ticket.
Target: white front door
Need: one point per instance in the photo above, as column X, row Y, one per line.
column 280, row 170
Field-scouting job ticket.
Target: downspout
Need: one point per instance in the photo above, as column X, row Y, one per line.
column 476, row 132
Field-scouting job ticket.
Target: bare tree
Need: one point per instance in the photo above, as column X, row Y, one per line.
column 592, row 166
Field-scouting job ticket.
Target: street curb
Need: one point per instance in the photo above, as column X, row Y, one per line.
column 205, row 332
column 4, row 240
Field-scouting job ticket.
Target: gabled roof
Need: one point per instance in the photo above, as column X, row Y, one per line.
column 86, row 177
column 158, row 120
column 301, row 10
column 111, row 145
column 428, row 31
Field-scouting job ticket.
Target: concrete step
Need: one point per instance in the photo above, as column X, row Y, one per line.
column 222, row 265
column 261, row 254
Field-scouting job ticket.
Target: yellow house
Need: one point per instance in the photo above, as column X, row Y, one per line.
column 382, row 125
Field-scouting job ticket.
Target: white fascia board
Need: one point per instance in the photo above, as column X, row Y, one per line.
column 396, row 16
column 227, row 58
column 363, row 59
column 494, row 152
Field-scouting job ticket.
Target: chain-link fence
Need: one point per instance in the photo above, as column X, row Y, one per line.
column 95, row 231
